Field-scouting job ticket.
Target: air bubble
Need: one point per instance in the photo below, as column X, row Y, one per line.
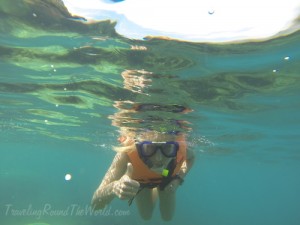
column 211, row 11
column 68, row 177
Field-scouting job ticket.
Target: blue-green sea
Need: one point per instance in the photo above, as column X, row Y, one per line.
column 67, row 88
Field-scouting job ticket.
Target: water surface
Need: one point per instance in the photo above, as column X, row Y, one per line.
column 67, row 87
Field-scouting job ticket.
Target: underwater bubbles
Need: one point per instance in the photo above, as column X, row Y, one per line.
column 211, row 12
column 68, row 177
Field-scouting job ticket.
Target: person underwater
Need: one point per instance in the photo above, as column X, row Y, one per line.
column 146, row 168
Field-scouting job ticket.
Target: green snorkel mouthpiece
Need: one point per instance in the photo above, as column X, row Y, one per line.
column 165, row 173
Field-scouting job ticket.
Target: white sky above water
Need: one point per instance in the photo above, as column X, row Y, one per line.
column 190, row 19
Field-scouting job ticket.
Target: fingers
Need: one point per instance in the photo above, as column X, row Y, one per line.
column 127, row 177
column 129, row 190
column 126, row 187
column 131, row 183
column 129, row 170
column 172, row 186
column 125, row 191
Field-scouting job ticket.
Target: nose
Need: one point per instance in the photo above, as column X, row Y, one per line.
column 158, row 155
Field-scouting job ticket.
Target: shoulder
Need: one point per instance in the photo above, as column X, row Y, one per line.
column 121, row 156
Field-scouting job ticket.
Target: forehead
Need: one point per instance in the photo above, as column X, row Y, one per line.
column 155, row 136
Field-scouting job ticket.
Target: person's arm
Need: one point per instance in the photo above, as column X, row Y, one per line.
column 187, row 165
column 185, row 168
column 104, row 193
column 116, row 182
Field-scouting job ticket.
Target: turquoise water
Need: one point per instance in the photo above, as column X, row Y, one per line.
column 68, row 87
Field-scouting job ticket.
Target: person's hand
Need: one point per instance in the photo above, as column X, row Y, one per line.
column 126, row 188
column 172, row 186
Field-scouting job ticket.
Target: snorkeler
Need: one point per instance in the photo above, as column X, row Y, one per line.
column 147, row 167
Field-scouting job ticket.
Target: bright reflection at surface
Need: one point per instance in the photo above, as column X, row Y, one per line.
column 192, row 20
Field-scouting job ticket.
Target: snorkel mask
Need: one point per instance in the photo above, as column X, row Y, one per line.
column 146, row 149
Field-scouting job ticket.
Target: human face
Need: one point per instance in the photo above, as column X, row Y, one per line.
column 157, row 155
